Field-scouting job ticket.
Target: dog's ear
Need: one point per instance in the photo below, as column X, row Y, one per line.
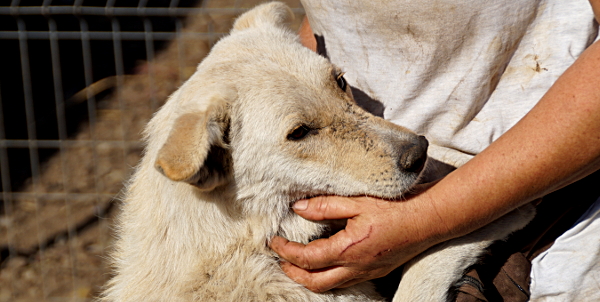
column 272, row 13
column 196, row 150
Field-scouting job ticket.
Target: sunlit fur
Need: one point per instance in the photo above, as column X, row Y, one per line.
column 219, row 173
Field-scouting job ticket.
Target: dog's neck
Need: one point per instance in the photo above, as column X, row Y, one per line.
column 213, row 221
column 267, row 206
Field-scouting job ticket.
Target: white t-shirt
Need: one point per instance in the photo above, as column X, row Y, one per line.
column 570, row 269
column 459, row 72
column 462, row 73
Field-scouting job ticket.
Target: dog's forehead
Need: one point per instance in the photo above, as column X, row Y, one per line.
column 308, row 79
column 281, row 80
column 289, row 95
column 268, row 64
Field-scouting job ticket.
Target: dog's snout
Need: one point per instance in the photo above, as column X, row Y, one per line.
column 414, row 155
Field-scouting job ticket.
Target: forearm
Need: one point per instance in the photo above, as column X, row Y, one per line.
column 557, row 143
column 307, row 37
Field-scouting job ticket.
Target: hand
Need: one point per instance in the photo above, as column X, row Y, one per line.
column 555, row 144
column 380, row 236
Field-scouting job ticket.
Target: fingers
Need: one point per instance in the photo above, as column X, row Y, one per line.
column 315, row 255
column 327, row 207
column 329, row 263
column 320, row 280
column 324, row 252
column 306, row 269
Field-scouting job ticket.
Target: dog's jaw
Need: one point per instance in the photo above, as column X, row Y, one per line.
column 295, row 228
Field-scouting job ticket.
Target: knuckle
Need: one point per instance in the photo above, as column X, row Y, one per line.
column 320, row 203
column 304, row 262
column 309, row 257
column 323, row 209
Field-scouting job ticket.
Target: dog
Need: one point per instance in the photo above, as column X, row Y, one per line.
column 262, row 123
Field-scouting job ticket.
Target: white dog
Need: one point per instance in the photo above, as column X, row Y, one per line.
column 262, row 123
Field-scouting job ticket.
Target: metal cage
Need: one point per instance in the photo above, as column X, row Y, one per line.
column 78, row 81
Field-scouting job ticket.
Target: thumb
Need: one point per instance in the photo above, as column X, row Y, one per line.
column 327, row 207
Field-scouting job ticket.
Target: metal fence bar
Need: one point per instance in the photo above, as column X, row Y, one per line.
column 6, row 196
column 105, row 35
column 15, row 3
column 91, row 105
column 142, row 4
column 31, row 133
column 77, row 3
column 54, row 196
column 59, row 101
column 180, row 50
column 120, row 72
column 149, row 45
column 59, row 98
column 57, row 144
column 79, row 10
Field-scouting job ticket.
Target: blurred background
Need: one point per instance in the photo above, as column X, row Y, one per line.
column 79, row 79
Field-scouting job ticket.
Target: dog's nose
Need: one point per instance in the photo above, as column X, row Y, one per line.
column 414, row 155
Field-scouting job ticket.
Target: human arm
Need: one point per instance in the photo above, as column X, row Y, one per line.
column 307, row 37
column 557, row 143
column 595, row 7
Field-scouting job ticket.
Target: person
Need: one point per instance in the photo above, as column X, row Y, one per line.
column 507, row 91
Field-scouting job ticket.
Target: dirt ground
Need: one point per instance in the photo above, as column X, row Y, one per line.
column 55, row 237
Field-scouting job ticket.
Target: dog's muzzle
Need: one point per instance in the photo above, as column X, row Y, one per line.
column 413, row 155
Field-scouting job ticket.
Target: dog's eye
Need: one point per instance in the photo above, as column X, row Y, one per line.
column 298, row 133
column 341, row 81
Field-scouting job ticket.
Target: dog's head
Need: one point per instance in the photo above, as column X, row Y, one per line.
column 279, row 122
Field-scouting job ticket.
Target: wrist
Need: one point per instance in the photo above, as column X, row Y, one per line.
column 436, row 226
column 445, row 211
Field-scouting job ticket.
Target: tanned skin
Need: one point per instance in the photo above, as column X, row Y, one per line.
column 555, row 144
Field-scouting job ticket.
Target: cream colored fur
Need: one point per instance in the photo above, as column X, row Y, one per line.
column 222, row 167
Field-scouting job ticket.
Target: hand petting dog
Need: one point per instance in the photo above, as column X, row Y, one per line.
column 378, row 238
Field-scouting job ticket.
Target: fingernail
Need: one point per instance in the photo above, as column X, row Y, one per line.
column 300, row 205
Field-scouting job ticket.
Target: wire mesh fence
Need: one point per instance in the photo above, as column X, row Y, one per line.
column 78, row 81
